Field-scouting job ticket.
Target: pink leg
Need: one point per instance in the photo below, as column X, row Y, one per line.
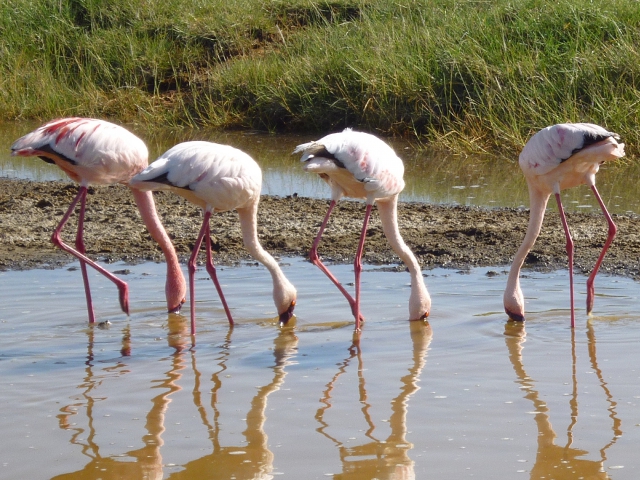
column 192, row 271
column 57, row 241
column 204, row 232
column 607, row 244
column 81, row 248
column 357, row 264
column 212, row 273
column 315, row 259
column 569, row 254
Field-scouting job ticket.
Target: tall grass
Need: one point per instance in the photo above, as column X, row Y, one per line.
column 467, row 75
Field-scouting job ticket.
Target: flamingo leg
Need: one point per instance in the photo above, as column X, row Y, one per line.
column 123, row 289
column 191, row 266
column 81, row 248
column 569, row 248
column 607, row 244
column 212, row 273
column 315, row 259
column 357, row 264
column 204, row 232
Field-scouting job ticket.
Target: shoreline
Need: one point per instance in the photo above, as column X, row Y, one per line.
column 447, row 236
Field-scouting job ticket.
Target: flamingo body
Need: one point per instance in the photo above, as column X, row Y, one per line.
column 555, row 158
column 360, row 165
column 89, row 151
column 92, row 151
column 211, row 175
column 354, row 164
column 218, row 178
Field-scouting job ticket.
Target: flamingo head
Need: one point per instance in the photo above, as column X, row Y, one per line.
column 285, row 316
column 284, row 296
column 514, row 302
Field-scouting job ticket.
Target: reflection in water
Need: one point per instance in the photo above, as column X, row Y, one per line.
column 388, row 459
column 551, row 459
column 252, row 460
column 147, row 461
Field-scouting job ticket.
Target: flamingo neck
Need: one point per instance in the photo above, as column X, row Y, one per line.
column 175, row 287
column 513, row 297
column 420, row 300
column 284, row 293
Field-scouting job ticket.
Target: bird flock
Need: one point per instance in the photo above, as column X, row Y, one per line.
column 220, row 178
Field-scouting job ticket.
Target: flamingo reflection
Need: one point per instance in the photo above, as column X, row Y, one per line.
column 148, row 460
column 253, row 459
column 388, row 459
column 551, row 459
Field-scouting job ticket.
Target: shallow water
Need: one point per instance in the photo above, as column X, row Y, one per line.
column 430, row 176
column 468, row 395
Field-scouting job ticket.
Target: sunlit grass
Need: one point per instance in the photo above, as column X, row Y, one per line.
column 467, row 75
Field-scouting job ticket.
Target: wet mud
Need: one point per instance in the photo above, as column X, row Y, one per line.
column 440, row 235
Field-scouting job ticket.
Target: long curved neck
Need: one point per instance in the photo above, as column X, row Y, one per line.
column 175, row 288
column 282, row 288
column 537, row 205
column 388, row 210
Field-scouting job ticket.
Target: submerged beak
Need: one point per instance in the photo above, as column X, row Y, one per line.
column 177, row 308
column 514, row 316
column 287, row 314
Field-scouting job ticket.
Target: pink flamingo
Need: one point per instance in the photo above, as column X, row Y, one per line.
column 218, row 178
column 360, row 165
column 558, row 157
column 94, row 151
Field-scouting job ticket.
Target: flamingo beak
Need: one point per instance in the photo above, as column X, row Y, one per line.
column 287, row 314
column 177, row 308
column 516, row 317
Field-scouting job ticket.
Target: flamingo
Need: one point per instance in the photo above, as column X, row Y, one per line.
column 218, row 178
column 92, row 151
column 360, row 165
column 558, row 157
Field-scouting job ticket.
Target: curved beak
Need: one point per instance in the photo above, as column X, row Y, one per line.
column 287, row 314
column 177, row 308
column 514, row 316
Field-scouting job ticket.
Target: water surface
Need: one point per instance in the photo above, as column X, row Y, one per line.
column 469, row 395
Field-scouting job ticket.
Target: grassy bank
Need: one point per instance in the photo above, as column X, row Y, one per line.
column 470, row 75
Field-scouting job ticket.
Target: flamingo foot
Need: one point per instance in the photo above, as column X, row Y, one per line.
column 590, row 297
column 124, row 297
column 359, row 317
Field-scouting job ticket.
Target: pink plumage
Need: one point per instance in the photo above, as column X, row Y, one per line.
column 555, row 158
column 354, row 164
column 551, row 146
column 95, row 151
column 88, row 150
column 360, row 165
column 218, row 178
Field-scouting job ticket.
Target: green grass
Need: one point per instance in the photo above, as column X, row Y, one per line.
column 465, row 75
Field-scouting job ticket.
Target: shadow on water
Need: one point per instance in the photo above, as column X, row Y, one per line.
column 382, row 459
column 251, row 460
column 311, row 400
column 147, row 461
column 552, row 459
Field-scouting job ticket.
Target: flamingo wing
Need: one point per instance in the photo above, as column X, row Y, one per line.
column 367, row 158
column 88, row 150
column 205, row 173
column 551, row 146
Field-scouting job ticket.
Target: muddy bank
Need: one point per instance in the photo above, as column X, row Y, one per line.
column 447, row 236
